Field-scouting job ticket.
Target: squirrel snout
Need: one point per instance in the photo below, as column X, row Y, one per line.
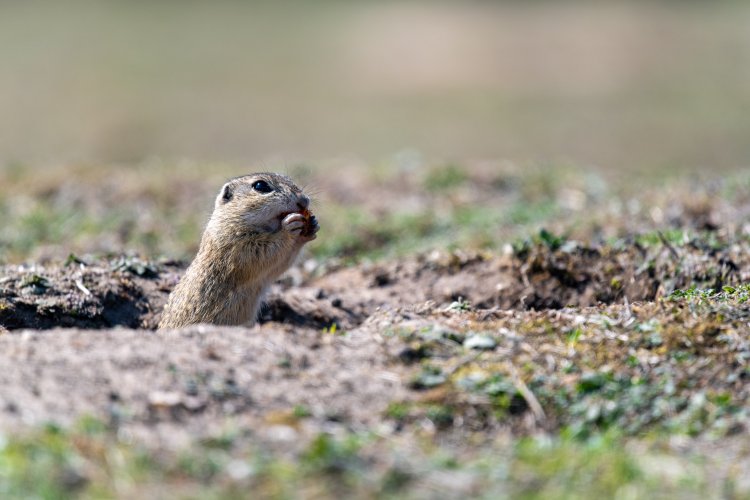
column 303, row 202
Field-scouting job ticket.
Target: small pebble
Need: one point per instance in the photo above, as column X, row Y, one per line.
column 480, row 342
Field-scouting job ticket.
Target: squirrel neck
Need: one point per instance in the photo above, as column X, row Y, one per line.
column 223, row 282
column 222, row 259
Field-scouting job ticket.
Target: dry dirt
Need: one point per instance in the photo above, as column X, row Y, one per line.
column 342, row 343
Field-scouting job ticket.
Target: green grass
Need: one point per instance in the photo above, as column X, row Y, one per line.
column 600, row 467
column 737, row 294
column 445, row 178
column 449, row 207
column 88, row 461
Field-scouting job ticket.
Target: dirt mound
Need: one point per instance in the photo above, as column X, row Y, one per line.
column 551, row 274
column 121, row 292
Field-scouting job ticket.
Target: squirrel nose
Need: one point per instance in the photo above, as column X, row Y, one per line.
column 303, row 202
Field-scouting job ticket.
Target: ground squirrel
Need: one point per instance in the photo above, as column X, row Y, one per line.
column 258, row 226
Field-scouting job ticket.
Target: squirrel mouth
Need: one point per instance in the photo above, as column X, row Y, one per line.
column 304, row 212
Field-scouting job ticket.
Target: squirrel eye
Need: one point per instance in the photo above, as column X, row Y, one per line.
column 262, row 187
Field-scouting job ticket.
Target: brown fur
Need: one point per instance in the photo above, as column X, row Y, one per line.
column 250, row 239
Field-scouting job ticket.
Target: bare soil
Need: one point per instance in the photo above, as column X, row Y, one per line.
column 346, row 342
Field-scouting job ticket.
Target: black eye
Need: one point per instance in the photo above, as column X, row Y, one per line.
column 262, row 187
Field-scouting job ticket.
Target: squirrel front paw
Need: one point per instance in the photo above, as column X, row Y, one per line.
column 304, row 228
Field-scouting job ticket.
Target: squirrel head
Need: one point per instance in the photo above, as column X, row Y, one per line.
column 256, row 204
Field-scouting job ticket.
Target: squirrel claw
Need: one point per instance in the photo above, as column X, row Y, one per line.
column 305, row 229
column 293, row 222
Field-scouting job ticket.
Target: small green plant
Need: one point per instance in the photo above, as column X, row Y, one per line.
column 332, row 456
column 35, row 281
column 676, row 237
column 301, row 411
column 573, row 336
column 398, row 410
column 461, row 305
column 440, row 415
column 445, row 178
column 137, row 266
column 429, row 376
column 552, row 241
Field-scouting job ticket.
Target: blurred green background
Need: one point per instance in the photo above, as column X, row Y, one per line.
column 636, row 85
column 457, row 123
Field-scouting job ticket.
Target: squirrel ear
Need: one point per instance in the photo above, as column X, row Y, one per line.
column 226, row 193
